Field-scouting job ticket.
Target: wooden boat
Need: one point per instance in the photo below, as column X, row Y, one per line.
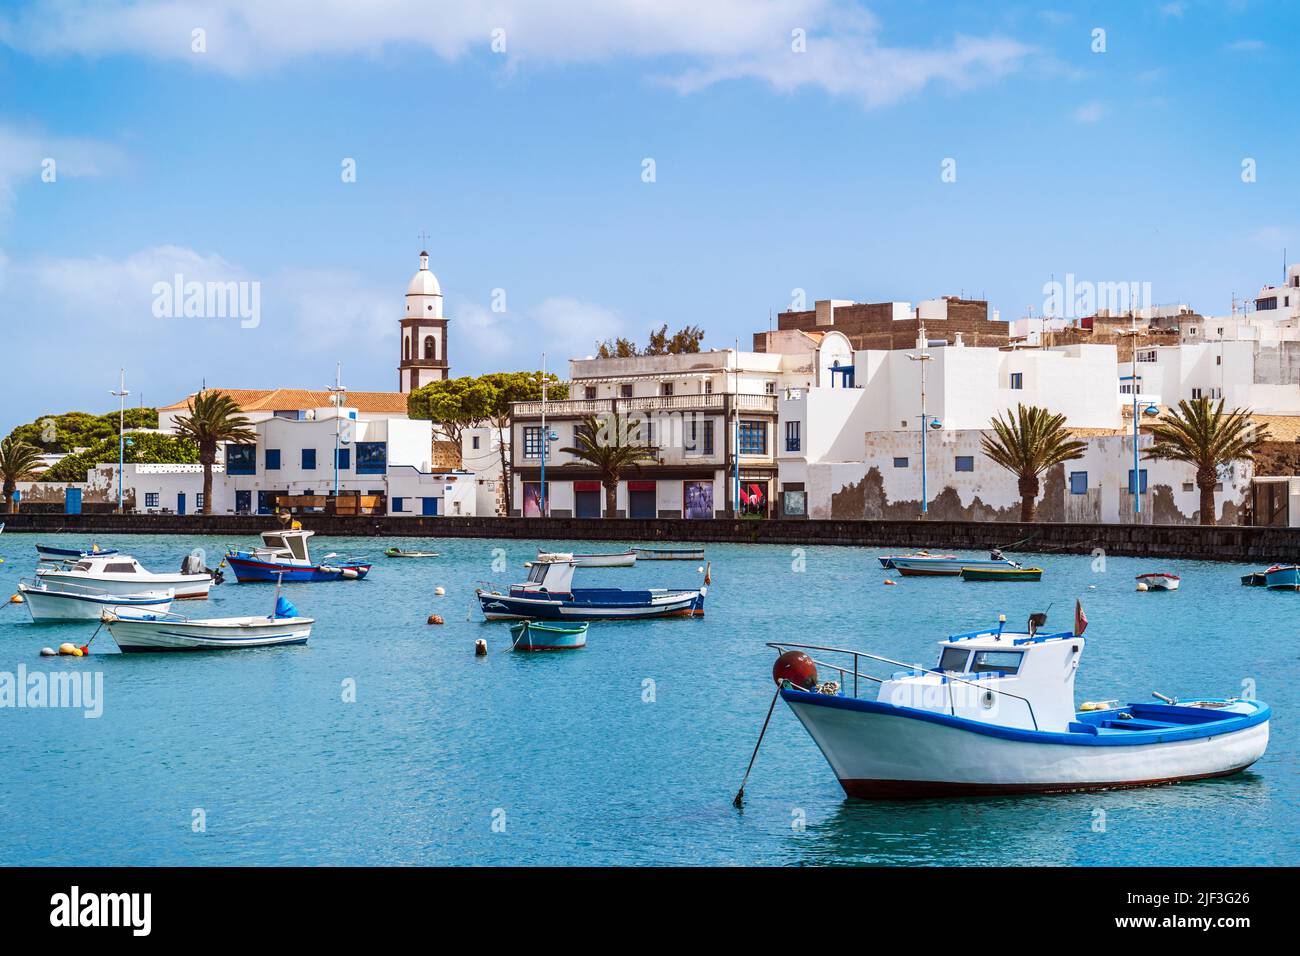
column 549, row 594
column 45, row 552
column 669, row 554
column 1283, row 577
column 545, row 636
column 284, row 556
column 1159, row 581
column 887, row 560
column 996, row 715
column 139, row 631
column 1001, row 574
column 77, row 603
column 1255, row 579
column 399, row 553
column 123, row 574
column 945, row 565
column 619, row 559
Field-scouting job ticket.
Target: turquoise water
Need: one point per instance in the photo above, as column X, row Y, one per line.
column 626, row 752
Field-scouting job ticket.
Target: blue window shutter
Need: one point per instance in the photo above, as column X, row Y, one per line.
column 309, row 459
column 273, row 459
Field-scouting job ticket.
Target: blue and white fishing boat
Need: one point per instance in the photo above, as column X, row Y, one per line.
column 549, row 594
column 284, row 556
column 135, row 630
column 47, row 553
column 548, row 636
column 1282, row 577
column 945, row 565
column 887, row 560
column 77, row 603
column 996, row 715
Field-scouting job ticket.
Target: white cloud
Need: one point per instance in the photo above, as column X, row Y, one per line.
column 1173, row 10
column 708, row 42
column 1090, row 112
column 24, row 153
column 1246, row 46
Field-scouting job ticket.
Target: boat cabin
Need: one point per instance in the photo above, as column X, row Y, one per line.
column 549, row 576
column 1013, row 679
column 285, row 545
column 112, row 564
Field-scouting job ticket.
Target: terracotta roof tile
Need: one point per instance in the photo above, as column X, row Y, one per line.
column 289, row 399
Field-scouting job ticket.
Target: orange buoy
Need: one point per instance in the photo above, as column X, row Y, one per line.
column 480, row 648
column 434, row 619
column 887, row 581
column 796, row 667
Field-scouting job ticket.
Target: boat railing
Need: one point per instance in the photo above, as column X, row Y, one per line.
column 68, row 586
column 855, row 673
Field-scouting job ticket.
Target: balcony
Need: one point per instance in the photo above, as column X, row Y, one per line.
column 581, row 408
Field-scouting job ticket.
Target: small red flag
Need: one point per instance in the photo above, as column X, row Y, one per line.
column 1080, row 619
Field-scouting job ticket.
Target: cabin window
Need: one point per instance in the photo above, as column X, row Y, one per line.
column 1005, row 662
column 953, row 659
column 120, row 568
column 82, row 566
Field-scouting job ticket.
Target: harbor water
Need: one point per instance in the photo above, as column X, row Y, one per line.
column 385, row 740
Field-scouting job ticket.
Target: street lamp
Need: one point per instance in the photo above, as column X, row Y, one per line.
column 121, row 395
column 1133, row 334
column 923, row 356
column 339, row 392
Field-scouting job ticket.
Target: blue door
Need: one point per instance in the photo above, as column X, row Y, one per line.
column 428, row 506
column 72, row 501
column 180, row 503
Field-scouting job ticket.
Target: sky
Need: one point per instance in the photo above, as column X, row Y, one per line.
column 584, row 169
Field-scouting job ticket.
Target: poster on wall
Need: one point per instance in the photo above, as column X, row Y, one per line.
column 533, row 500
column 697, row 499
column 795, row 504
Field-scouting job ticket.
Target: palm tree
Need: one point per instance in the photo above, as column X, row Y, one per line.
column 1027, row 444
column 213, row 418
column 1203, row 436
column 606, row 444
column 18, row 460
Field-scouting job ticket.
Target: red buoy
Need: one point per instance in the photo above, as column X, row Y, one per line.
column 796, row 667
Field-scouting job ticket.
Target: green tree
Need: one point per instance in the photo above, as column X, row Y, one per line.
column 213, row 418
column 69, row 431
column 141, row 448
column 1027, row 444
column 507, row 388
column 18, row 461
column 1201, row 435
column 612, row 445
column 683, row 341
column 453, row 405
column 616, row 348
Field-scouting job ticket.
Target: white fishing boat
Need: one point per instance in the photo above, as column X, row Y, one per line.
column 140, row 631
column 997, row 715
column 1159, row 581
column 123, row 574
column 78, row 603
column 620, row 559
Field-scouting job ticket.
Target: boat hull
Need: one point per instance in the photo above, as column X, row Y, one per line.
column 945, row 567
column 878, row 751
column 680, row 554
column 45, row 605
column 1156, row 582
column 1001, row 574
column 140, row 635
column 532, row 636
column 1283, row 578
column 593, row 605
column 624, row 559
column 246, row 570
column 185, row 586
column 46, row 553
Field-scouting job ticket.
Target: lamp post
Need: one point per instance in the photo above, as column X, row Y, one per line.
column 1133, row 382
column 339, row 393
column 923, row 356
column 121, row 395
column 546, row 438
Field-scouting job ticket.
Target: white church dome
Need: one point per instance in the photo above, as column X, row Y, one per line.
column 424, row 282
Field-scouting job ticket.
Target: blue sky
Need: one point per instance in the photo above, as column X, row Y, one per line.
column 775, row 170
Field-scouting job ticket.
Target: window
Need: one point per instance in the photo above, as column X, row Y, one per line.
column 151, row 499
column 532, row 441
column 399, row 504
column 241, row 459
column 428, row 347
column 769, row 388
column 1078, row 482
column 1218, row 360
column 708, row 386
column 697, row 432
column 273, row 459
column 590, row 392
column 309, row 459
column 965, row 463
column 792, row 436
column 344, row 459
column 372, row 458
column 625, row 390
column 474, row 442
column 753, row 438
column 198, row 501
column 666, row 389
column 996, row 662
column 1018, row 380
column 953, row 659
column 1142, row 479
column 1147, row 355
column 900, row 462
column 120, row 568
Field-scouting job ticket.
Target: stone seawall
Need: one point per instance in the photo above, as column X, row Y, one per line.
column 1230, row 543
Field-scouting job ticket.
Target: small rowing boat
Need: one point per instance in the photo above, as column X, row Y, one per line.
column 546, row 636
column 46, row 553
column 887, row 560
column 1282, row 577
column 84, row 603
column 947, row 566
column 1001, row 574
column 619, row 559
column 1255, row 579
column 1159, row 581
column 669, row 554
column 549, row 594
column 138, row 631
column 399, row 553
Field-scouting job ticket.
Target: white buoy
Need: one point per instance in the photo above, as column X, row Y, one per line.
column 1142, row 586
column 49, row 652
column 440, row 590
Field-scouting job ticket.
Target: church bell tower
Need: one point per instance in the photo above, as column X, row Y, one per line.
column 424, row 332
